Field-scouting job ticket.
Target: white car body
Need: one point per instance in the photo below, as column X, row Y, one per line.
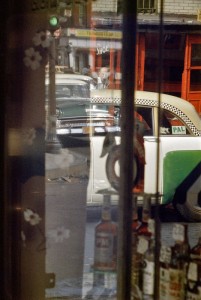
column 84, row 78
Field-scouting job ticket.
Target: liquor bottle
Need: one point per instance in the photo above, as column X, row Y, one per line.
column 142, row 237
column 192, row 291
column 136, row 257
column 194, row 273
column 143, row 231
column 149, row 268
column 179, row 263
column 164, row 264
column 105, row 252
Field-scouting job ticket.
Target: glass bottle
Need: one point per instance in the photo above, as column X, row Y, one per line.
column 143, row 231
column 194, row 273
column 149, row 269
column 195, row 253
column 105, row 252
column 179, row 263
column 136, row 257
column 164, row 265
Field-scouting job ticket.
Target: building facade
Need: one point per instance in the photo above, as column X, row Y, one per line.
column 98, row 44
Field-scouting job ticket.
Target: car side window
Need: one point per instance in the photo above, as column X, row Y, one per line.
column 143, row 121
column 170, row 124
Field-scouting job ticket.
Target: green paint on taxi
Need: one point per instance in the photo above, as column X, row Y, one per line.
column 177, row 165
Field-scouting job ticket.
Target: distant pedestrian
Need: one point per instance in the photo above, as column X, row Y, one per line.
column 103, row 78
column 86, row 70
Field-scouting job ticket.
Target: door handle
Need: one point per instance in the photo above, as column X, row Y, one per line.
column 151, row 139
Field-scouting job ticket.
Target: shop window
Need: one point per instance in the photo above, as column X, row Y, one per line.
column 146, row 6
column 143, row 6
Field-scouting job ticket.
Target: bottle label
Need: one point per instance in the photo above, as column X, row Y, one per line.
column 192, row 271
column 136, row 268
column 165, row 254
column 178, row 232
column 143, row 244
column 176, row 285
column 148, row 277
column 104, row 248
column 195, row 256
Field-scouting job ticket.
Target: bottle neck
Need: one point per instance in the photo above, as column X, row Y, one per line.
column 106, row 212
column 134, row 211
column 146, row 210
column 180, row 234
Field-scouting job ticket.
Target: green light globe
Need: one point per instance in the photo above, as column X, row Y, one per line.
column 53, row 21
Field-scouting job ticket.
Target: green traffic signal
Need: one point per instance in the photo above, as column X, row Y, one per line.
column 53, row 21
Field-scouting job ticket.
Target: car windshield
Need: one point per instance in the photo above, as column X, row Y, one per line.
column 72, row 91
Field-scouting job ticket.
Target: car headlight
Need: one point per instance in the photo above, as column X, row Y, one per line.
column 58, row 112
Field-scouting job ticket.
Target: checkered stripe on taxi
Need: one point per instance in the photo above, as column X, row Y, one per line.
column 150, row 103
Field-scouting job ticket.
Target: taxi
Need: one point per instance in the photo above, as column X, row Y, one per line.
column 167, row 151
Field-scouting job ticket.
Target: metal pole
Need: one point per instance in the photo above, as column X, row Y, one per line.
column 126, row 166
column 52, row 143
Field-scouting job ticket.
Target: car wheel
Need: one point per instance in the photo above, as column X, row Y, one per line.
column 113, row 168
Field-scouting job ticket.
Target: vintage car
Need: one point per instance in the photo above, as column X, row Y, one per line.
column 175, row 127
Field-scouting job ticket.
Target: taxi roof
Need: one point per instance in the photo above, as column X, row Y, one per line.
column 179, row 106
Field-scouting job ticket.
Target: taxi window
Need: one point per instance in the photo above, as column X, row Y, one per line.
column 143, row 121
column 170, row 124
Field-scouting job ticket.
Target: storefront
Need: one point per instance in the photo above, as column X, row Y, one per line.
column 181, row 56
column 53, row 244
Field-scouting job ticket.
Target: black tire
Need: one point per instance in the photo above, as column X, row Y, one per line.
column 111, row 168
column 190, row 210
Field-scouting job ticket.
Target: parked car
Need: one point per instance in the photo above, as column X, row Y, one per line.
column 70, row 96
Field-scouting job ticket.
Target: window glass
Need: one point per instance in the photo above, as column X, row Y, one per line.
column 170, row 124
column 143, row 121
column 195, row 80
column 196, row 55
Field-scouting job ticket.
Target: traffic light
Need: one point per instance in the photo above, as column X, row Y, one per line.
column 53, row 23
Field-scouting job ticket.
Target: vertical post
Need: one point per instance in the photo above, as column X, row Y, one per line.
column 111, row 78
column 118, row 70
column 52, row 142
column 126, row 165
